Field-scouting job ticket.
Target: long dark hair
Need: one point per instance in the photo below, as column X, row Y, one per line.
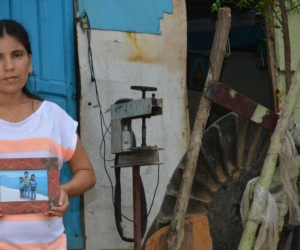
column 18, row 31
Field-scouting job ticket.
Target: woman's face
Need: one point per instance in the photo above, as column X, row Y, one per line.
column 15, row 65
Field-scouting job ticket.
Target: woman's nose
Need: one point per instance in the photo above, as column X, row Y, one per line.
column 8, row 64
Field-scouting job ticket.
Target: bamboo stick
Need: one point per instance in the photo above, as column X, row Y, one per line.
column 268, row 168
column 217, row 55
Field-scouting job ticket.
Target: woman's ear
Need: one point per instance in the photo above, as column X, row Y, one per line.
column 30, row 69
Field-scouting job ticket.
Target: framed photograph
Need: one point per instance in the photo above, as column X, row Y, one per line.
column 29, row 185
column 197, row 69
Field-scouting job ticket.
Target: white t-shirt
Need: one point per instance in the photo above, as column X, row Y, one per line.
column 49, row 132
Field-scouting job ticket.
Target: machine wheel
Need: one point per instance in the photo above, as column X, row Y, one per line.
column 232, row 153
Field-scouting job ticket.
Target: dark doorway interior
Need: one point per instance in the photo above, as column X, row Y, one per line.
column 245, row 66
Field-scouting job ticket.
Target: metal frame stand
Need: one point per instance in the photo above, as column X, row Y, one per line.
column 137, row 219
column 122, row 114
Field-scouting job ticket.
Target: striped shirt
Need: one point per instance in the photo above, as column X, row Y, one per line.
column 49, row 132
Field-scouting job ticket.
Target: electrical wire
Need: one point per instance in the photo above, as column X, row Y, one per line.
column 154, row 193
column 102, row 143
column 103, row 124
column 102, row 120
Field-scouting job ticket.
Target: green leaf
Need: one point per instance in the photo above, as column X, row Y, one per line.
column 215, row 7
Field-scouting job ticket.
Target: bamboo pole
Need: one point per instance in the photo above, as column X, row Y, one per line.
column 217, row 55
column 268, row 168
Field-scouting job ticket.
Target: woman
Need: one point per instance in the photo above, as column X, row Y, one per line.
column 32, row 128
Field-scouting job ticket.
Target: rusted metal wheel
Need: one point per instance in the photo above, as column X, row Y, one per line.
column 233, row 152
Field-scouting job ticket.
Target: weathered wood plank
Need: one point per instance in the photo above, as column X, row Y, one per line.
column 217, row 55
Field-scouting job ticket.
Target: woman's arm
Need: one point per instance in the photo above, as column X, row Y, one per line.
column 84, row 178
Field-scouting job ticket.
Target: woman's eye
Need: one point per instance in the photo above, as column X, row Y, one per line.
column 17, row 55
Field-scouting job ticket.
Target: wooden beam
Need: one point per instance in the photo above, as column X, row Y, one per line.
column 216, row 59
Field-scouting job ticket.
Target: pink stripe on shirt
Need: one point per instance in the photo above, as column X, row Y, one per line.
column 35, row 145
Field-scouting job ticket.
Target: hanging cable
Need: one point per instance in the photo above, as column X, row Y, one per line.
column 86, row 25
column 104, row 128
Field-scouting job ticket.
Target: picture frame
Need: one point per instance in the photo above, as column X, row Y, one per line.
column 43, row 193
column 197, row 69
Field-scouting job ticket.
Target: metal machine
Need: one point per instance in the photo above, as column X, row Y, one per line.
column 129, row 155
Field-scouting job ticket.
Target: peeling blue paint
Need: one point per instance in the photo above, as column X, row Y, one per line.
column 141, row 16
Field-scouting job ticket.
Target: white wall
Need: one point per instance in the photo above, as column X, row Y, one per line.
column 121, row 60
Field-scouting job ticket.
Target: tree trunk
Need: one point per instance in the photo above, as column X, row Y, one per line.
column 271, row 57
column 217, row 55
column 287, row 44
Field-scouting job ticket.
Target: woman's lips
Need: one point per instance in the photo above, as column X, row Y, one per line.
column 10, row 78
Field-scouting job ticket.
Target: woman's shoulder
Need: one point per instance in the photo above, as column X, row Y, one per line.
column 52, row 109
column 47, row 106
column 50, row 104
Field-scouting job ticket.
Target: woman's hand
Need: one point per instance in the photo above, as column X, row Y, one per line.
column 63, row 205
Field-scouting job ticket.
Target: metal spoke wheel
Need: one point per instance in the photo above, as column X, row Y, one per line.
column 232, row 153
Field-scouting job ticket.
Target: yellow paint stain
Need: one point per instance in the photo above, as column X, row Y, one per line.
column 281, row 96
column 232, row 93
column 259, row 113
column 140, row 55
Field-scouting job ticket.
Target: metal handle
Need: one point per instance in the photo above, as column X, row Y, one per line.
column 143, row 89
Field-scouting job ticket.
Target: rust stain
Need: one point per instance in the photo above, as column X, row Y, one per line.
column 220, row 172
column 140, row 55
column 252, row 148
column 236, row 173
column 199, row 193
column 192, row 238
column 280, row 98
column 211, row 182
column 231, row 168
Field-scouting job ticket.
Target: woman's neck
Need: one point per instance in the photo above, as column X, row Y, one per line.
column 12, row 100
column 17, row 108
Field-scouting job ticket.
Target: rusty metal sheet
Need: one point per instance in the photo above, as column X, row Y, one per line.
column 242, row 105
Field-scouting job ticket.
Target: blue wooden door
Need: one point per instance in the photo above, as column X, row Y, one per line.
column 50, row 24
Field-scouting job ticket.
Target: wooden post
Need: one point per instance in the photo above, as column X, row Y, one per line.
column 217, row 55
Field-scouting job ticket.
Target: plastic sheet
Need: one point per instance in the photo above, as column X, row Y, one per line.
column 269, row 206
